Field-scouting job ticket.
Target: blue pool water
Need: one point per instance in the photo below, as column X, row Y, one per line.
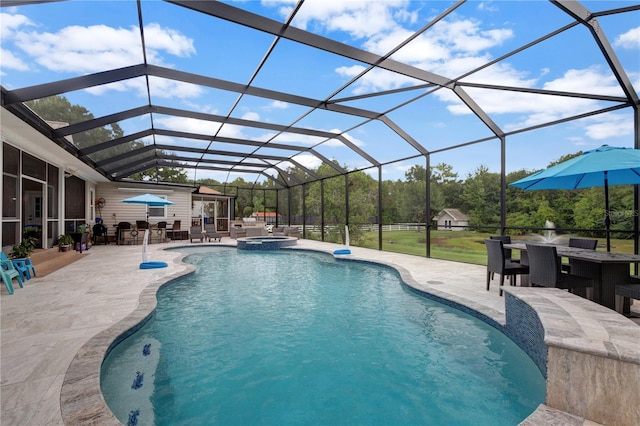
column 277, row 338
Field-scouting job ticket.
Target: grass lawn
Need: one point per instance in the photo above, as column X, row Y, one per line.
column 460, row 246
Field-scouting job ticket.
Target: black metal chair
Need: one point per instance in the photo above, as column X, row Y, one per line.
column 100, row 231
column 545, row 270
column 497, row 263
column 125, row 234
column 161, row 231
column 583, row 243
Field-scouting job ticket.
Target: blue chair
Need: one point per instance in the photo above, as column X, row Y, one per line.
column 23, row 265
column 8, row 272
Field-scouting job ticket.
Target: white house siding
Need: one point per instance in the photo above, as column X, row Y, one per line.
column 115, row 211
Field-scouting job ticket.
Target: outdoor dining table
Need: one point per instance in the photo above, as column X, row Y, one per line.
column 606, row 269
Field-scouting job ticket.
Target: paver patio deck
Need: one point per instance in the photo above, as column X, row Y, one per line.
column 47, row 322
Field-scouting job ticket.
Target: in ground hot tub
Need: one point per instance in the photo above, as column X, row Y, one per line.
column 266, row 243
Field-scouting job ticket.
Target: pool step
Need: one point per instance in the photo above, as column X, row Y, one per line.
column 50, row 260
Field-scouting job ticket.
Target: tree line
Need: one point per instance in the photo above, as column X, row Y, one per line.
column 403, row 200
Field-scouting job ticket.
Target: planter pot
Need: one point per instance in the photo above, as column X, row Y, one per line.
column 65, row 247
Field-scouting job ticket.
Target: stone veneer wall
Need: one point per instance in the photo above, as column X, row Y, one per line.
column 600, row 389
column 590, row 354
column 524, row 327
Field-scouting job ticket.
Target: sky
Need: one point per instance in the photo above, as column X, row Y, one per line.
column 41, row 43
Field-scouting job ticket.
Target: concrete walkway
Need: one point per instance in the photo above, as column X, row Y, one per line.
column 46, row 323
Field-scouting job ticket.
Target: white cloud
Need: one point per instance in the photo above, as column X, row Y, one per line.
column 359, row 18
column 188, row 125
column 608, row 126
column 165, row 39
column 450, row 48
column 376, row 79
column 95, row 48
column 629, row 40
column 277, row 105
column 487, row 6
column 293, row 138
column 160, row 88
column 536, row 108
column 253, row 116
column 9, row 61
column 309, row 161
column 10, row 23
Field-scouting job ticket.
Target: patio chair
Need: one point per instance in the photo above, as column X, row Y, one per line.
column 8, row 272
column 583, row 243
column 506, row 239
column 142, row 224
column 211, row 232
column 195, row 233
column 498, row 264
column 125, row 234
column 22, row 265
column 545, row 270
column 100, row 231
column 161, row 232
column 175, row 228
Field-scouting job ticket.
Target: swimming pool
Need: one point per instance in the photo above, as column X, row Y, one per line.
column 301, row 338
column 265, row 242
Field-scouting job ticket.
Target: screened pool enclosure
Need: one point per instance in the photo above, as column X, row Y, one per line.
column 386, row 116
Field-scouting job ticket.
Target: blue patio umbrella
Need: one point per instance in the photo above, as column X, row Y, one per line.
column 153, row 201
column 148, row 200
column 603, row 166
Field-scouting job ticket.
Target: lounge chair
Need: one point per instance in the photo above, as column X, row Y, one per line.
column 211, row 232
column 195, row 233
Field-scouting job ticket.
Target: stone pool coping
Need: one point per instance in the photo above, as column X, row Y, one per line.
column 81, row 400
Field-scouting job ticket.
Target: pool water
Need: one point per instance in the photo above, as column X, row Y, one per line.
column 276, row 338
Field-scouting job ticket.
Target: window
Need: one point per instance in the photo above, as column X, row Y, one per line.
column 158, row 212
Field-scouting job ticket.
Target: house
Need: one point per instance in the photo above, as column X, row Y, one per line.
column 213, row 206
column 452, row 220
column 268, row 217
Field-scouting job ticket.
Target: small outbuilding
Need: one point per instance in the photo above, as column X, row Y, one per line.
column 452, row 220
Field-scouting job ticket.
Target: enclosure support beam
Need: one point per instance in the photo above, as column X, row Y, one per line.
column 346, row 202
column 380, row 207
column 322, row 209
column 304, row 210
column 503, row 185
column 427, row 216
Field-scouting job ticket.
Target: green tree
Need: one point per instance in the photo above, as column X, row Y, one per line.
column 59, row 109
column 414, row 198
column 481, row 196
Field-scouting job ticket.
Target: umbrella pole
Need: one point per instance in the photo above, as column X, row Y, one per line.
column 607, row 215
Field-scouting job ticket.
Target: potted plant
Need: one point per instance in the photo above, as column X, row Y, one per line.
column 24, row 249
column 64, row 242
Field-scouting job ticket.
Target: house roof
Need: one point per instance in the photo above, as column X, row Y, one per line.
column 206, row 190
column 455, row 214
column 266, row 214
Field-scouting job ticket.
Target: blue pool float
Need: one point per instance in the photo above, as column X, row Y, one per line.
column 153, row 265
column 342, row 251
